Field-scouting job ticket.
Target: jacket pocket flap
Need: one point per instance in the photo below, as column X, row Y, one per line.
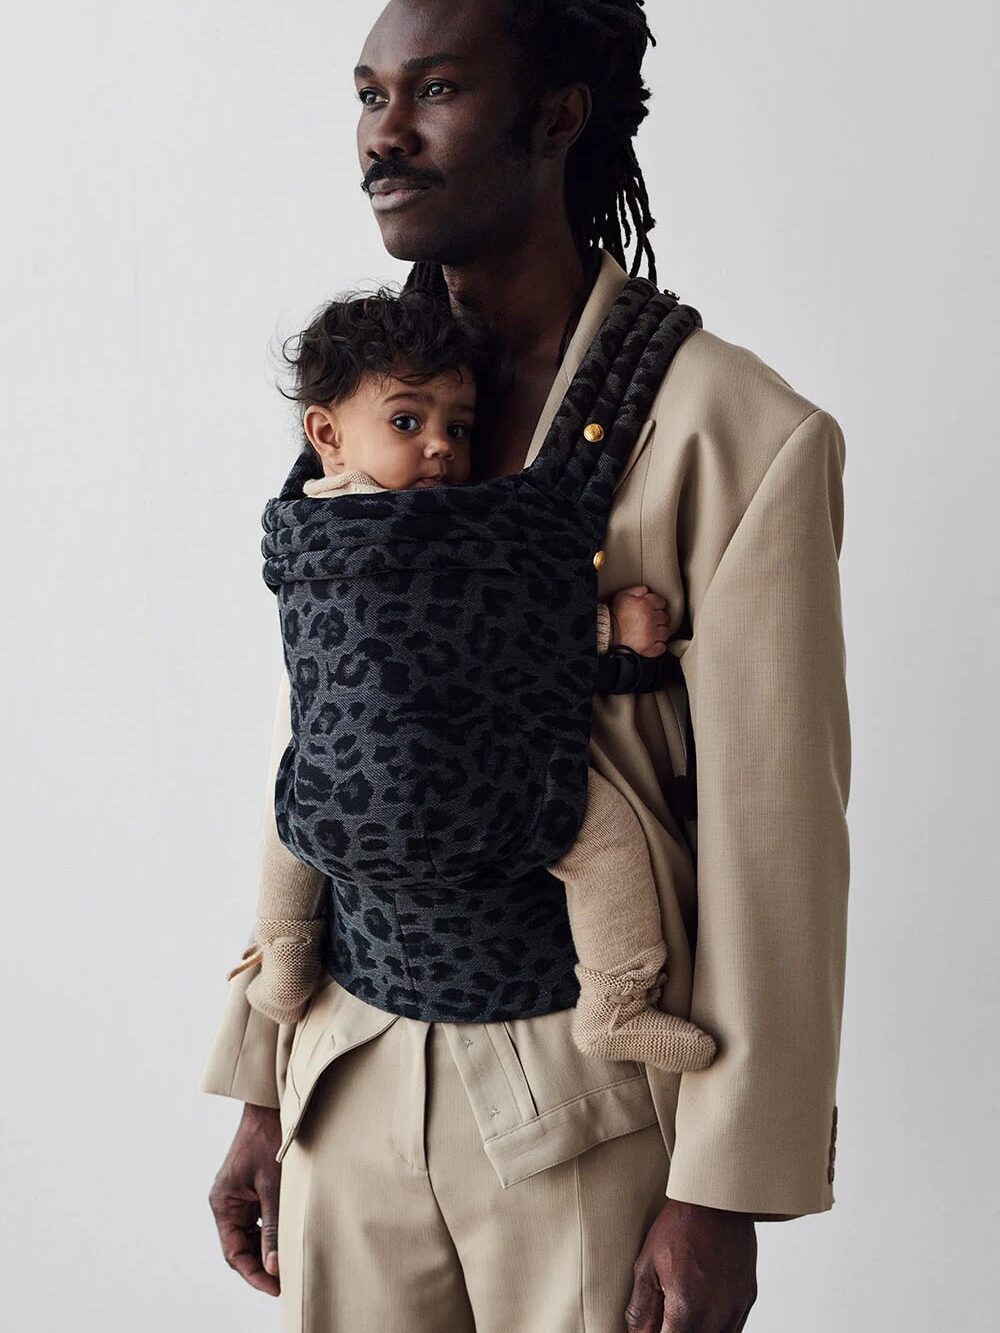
column 335, row 1023
column 570, row 1129
column 539, row 1100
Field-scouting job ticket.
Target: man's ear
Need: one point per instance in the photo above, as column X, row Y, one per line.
column 563, row 118
column 320, row 426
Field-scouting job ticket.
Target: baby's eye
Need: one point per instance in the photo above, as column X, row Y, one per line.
column 459, row 430
column 406, row 422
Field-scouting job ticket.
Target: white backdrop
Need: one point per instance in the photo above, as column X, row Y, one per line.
column 181, row 191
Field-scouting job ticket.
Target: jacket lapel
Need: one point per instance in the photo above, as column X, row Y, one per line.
column 610, row 280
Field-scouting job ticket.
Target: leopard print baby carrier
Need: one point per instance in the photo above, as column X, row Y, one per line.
column 440, row 645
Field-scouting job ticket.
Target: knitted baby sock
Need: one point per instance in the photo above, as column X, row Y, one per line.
column 616, row 1018
column 290, row 965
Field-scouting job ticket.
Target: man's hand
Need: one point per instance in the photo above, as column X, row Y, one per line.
column 246, row 1189
column 696, row 1272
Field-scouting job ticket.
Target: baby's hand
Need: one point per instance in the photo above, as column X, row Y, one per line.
column 639, row 620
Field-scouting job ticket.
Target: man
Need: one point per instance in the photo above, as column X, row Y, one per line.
column 486, row 1177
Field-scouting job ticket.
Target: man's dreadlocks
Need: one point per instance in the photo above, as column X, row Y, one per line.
column 600, row 43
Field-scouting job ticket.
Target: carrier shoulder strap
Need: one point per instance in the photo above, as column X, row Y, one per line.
column 609, row 398
column 613, row 390
column 681, row 792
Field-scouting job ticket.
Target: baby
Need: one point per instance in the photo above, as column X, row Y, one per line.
column 387, row 388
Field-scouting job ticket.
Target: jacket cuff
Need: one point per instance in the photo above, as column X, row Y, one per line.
column 774, row 1172
column 248, row 1056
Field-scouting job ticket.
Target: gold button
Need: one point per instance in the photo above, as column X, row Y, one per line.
column 598, row 559
column 593, row 432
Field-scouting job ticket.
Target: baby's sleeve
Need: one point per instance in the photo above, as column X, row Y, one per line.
column 287, row 889
column 603, row 627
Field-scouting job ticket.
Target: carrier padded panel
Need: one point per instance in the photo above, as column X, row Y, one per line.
column 440, row 646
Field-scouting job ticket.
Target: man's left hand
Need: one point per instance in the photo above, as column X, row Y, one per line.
column 696, row 1272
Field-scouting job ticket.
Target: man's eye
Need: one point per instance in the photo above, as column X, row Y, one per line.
column 400, row 422
column 370, row 96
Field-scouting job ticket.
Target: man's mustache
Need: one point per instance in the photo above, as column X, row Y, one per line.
column 387, row 170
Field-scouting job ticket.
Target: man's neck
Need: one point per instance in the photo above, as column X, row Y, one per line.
column 527, row 292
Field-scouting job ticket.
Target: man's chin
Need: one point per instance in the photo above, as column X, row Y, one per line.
column 402, row 244
column 416, row 245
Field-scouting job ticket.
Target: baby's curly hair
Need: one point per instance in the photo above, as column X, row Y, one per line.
column 405, row 334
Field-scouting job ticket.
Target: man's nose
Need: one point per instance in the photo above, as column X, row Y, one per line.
column 393, row 133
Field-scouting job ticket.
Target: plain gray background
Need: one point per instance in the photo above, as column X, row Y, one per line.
column 182, row 191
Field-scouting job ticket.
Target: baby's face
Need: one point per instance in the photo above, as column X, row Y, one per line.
column 403, row 435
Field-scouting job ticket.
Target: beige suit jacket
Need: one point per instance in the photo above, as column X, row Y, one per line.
column 731, row 506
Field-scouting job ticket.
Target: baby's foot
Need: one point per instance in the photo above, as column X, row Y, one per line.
column 616, row 1019
column 639, row 620
column 290, row 966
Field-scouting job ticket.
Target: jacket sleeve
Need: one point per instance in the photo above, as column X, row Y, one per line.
column 766, row 677
column 247, row 1060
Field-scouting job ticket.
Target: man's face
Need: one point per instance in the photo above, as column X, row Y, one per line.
column 441, row 87
column 402, row 434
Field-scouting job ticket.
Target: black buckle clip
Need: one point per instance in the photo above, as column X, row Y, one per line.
column 622, row 670
column 682, row 796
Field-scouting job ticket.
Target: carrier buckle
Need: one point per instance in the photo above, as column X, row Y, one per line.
column 682, row 796
column 622, row 670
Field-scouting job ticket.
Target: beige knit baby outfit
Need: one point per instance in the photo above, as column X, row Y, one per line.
column 612, row 902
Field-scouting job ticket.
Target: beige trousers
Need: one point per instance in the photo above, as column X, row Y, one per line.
column 393, row 1218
